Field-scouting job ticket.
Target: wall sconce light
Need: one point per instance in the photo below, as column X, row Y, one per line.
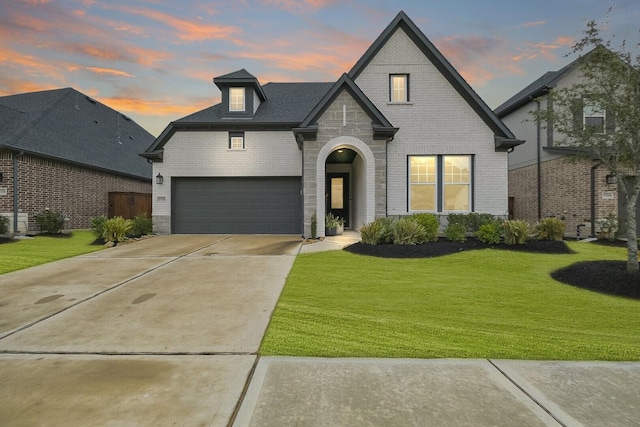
column 612, row 179
column 1, row 177
column 159, row 179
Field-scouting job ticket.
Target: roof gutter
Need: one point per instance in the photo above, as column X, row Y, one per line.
column 16, row 190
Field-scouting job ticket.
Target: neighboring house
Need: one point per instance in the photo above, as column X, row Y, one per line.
column 401, row 133
column 544, row 179
column 64, row 151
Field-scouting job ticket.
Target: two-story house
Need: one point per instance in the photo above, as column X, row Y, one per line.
column 544, row 178
column 401, row 132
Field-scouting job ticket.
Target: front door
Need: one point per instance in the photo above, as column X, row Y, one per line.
column 337, row 195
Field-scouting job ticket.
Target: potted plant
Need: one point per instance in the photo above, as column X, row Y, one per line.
column 331, row 224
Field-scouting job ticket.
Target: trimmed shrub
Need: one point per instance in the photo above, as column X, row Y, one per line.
column 455, row 232
column 116, row 229
column 476, row 220
column 97, row 226
column 314, row 226
column 516, row 232
column 430, row 223
column 407, row 231
column 550, row 229
column 142, row 225
column 4, row 225
column 50, row 222
column 489, row 233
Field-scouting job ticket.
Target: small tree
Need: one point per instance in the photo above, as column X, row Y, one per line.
column 611, row 85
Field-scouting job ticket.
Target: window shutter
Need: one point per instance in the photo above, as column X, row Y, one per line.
column 578, row 114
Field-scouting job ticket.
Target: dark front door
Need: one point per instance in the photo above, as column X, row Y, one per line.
column 337, row 195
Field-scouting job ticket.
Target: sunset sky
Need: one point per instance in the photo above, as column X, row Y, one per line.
column 154, row 60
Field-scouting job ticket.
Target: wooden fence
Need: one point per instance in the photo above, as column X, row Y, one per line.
column 129, row 205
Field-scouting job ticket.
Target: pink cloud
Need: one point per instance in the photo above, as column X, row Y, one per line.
column 188, row 31
column 533, row 24
column 109, row 71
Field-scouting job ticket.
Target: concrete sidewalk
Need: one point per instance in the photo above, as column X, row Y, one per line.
column 411, row 392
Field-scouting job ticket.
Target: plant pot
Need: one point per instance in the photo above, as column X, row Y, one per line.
column 340, row 229
column 330, row 231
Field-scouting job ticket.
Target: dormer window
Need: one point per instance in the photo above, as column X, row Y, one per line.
column 236, row 99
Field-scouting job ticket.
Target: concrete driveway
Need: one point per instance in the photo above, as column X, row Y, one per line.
column 171, row 323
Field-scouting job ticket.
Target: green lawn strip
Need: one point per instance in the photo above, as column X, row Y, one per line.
column 43, row 249
column 478, row 304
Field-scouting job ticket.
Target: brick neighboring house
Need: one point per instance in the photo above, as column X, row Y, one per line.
column 401, row 132
column 68, row 152
column 544, row 180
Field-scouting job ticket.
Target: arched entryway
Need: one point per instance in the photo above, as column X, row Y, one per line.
column 346, row 182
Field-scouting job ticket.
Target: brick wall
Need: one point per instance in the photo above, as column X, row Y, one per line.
column 566, row 193
column 78, row 192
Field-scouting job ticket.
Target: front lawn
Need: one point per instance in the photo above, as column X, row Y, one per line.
column 42, row 249
column 487, row 303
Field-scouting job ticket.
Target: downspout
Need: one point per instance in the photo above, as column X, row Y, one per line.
column 539, row 163
column 16, row 190
column 593, row 198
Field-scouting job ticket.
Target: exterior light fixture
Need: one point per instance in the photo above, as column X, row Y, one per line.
column 1, row 177
column 611, row 179
column 159, row 179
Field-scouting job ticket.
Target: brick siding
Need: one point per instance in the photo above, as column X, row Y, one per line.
column 566, row 193
column 79, row 193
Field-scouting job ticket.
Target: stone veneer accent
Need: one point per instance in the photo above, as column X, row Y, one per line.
column 330, row 127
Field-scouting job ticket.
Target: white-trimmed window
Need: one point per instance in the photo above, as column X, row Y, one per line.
column 440, row 183
column 399, row 88
column 236, row 99
column 594, row 116
column 236, row 140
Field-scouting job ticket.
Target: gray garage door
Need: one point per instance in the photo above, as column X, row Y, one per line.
column 269, row 205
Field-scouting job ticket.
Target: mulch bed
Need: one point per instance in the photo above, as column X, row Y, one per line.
column 445, row 247
column 609, row 277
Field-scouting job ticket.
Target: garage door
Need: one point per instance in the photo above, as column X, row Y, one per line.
column 270, row 205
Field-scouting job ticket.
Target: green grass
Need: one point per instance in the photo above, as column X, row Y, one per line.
column 43, row 249
column 476, row 304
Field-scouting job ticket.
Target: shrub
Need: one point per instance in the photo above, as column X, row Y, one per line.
column 474, row 221
column 608, row 226
column 387, row 226
column 489, row 233
column 4, row 225
column 370, row 233
column 550, row 229
column 142, row 225
column 50, row 222
column 407, row 231
column 116, row 229
column 457, row 219
column 97, row 226
column 455, row 232
column 430, row 224
column 516, row 232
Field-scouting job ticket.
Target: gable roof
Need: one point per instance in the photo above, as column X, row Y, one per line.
column 68, row 126
column 286, row 107
column 504, row 138
column 537, row 88
column 382, row 128
column 241, row 77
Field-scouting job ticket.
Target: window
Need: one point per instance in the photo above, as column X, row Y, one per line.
column 236, row 99
column 457, row 180
column 236, row 141
column 440, row 183
column 593, row 116
column 422, row 183
column 399, row 88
